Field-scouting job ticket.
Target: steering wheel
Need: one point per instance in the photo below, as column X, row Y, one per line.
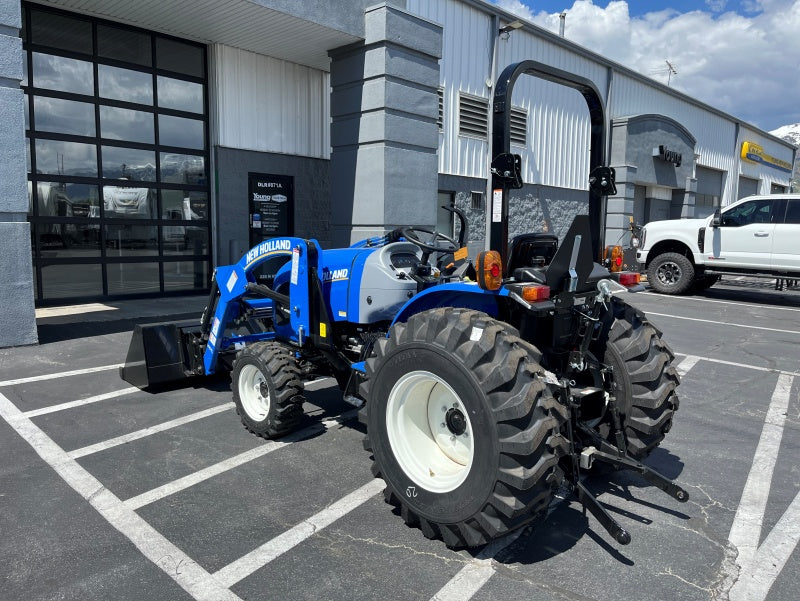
column 436, row 244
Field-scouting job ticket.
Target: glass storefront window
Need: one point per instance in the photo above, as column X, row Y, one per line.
column 125, row 84
column 55, row 157
column 131, row 240
column 124, row 45
column 126, row 125
column 64, row 281
column 183, row 169
column 129, row 163
column 132, row 278
column 177, row 131
column 60, row 31
column 62, row 74
column 63, row 116
column 185, row 275
column 113, row 209
column 60, row 199
column 185, row 240
column 179, row 57
column 68, row 240
column 129, row 202
column 179, row 94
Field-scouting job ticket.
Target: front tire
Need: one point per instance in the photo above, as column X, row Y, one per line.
column 461, row 426
column 644, row 379
column 267, row 389
column 670, row 273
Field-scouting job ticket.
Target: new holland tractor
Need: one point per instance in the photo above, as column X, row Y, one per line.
column 486, row 385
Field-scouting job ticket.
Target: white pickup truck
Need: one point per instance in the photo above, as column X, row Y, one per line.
column 756, row 236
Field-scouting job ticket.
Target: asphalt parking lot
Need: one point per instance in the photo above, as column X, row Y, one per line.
column 109, row 492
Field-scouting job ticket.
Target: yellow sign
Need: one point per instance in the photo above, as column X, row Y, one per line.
column 754, row 153
column 323, row 329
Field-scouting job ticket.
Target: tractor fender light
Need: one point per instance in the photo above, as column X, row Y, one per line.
column 535, row 293
column 613, row 258
column 628, row 278
column 490, row 270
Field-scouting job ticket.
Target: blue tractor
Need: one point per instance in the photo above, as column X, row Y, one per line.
column 486, row 385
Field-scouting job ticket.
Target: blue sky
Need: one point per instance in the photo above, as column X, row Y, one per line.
column 640, row 7
column 740, row 56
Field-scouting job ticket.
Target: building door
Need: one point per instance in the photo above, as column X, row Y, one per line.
column 117, row 126
column 747, row 187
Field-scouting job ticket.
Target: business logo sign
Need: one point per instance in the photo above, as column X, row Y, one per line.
column 670, row 156
column 755, row 154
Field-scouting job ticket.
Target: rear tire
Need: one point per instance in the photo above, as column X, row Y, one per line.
column 267, row 389
column 462, row 428
column 644, row 379
column 670, row 273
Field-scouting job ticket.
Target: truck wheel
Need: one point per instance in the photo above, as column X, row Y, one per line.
column 670, row 273
column 644, row 378
column 267, row 389
column 462, row 428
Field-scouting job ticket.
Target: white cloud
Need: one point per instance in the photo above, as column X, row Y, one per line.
column 745, row 65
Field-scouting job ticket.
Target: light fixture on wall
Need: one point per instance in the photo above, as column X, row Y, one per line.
column 506, row 30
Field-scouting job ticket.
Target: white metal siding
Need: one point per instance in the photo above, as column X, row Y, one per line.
column 270, row 105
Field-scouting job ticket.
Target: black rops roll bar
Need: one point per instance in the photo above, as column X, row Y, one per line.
column 506, row 167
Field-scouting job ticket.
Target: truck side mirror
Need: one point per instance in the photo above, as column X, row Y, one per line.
column 716, row 221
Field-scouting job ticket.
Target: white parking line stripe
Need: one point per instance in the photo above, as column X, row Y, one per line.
column 80, row 402
column 758, row 576
column 724, row 323
column 744, row 365
column 223, row 466
column 746, row 529
column 175, row 563
column 113, row 442
column 471, row 578
column 258, row 558
column 688, row 363
column 720, row 302
column 61, row 374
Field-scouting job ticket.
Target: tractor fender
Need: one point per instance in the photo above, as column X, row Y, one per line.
column 455, row 294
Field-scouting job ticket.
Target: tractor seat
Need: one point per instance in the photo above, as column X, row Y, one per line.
column 528, row 254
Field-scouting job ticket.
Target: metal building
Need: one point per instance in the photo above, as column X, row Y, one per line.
column 145, row 142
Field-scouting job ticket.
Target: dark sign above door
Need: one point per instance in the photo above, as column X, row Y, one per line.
column 271, row 206
column 670, row 156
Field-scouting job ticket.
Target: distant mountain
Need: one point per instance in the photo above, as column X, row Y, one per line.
column 791, row 133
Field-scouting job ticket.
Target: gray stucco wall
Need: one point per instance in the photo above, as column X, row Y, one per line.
column 231, row 211
column 17, row 318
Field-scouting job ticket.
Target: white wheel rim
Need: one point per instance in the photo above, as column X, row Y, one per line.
column 254, row 403
column 430, row 432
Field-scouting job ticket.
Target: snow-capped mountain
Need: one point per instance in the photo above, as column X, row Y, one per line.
column 790, row 133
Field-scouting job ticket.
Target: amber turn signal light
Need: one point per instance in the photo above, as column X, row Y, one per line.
column 490, row 270
column 533, row 294
column 613, row 258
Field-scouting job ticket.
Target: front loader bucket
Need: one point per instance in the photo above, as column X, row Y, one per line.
column 160, row 353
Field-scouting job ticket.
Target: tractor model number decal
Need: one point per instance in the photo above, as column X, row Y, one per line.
column 268, row 247
column 336, row 275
